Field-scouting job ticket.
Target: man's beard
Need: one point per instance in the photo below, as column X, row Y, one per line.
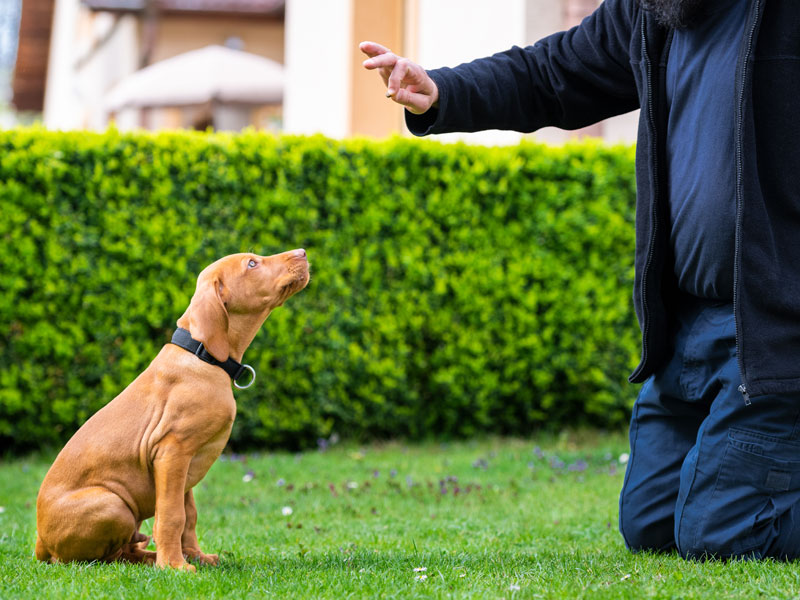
column 677, row 14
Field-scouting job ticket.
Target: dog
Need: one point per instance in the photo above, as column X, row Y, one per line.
column 141, row 454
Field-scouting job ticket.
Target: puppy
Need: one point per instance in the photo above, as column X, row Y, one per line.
column 142, row 453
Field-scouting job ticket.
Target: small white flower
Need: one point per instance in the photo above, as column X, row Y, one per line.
column 352, row 485
column 2, row 509
column 623, row 458
column 420, row 569
column 421, row 577
column 513, row 587
column 286, row 511
column 248, row 476
column 462, row 575
column 624, row 577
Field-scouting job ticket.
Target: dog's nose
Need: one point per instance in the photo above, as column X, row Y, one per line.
column 300, row 253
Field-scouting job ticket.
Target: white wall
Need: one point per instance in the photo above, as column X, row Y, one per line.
column 318, row 63
column 451, row 32
column 621, row 129
column 108, row 65
column 62, row 98
column 80, row 71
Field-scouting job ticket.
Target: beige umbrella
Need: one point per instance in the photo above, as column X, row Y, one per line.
column 211, row 74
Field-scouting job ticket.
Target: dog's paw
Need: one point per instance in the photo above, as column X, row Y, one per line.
column 211, row 560
column 181, row 565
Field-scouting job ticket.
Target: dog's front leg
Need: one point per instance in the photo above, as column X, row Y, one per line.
column 170, row 471
column 191, row 547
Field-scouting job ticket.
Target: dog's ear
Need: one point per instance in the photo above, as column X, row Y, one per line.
column 208, row 318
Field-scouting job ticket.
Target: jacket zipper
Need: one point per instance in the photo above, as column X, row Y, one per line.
column 740, row 198
column 653, row 211
column 745, row 394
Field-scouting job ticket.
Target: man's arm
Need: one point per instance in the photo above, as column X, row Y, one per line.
column 569, row 80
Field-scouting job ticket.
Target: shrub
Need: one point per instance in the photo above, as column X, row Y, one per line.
column 455, row 289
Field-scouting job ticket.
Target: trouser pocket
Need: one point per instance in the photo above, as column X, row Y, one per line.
column 736, row 510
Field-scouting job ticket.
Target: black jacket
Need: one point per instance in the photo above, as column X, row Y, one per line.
column 614, row 62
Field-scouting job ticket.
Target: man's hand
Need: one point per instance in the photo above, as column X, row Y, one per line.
column 406, row 82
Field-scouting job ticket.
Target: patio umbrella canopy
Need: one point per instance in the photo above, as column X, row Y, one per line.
column 210, row 74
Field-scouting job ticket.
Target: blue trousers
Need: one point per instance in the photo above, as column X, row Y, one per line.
column 709, row 473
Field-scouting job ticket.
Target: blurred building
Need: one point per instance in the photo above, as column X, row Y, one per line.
column 298, row 68
column 95, row 46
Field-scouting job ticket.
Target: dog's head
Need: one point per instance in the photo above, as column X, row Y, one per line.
column 239, row 291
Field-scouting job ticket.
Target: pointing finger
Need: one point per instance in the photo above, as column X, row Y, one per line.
column 372, row 49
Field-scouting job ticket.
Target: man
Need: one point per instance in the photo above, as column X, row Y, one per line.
column 714, row 468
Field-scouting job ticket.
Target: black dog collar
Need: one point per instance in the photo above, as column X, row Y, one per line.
column 183, row 339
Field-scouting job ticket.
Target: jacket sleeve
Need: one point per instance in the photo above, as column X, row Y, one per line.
column 570, row 79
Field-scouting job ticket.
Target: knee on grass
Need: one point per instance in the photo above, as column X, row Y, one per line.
column 642, row 536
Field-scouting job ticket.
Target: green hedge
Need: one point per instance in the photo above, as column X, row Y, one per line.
column 455, row 290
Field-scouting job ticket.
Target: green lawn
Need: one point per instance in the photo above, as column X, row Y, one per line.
column 495, row 518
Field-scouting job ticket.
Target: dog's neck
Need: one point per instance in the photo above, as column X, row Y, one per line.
column 242, row 329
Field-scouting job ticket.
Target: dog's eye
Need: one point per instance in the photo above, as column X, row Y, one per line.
column 252, row 263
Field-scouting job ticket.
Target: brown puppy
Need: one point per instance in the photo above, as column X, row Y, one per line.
column 142, row 453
